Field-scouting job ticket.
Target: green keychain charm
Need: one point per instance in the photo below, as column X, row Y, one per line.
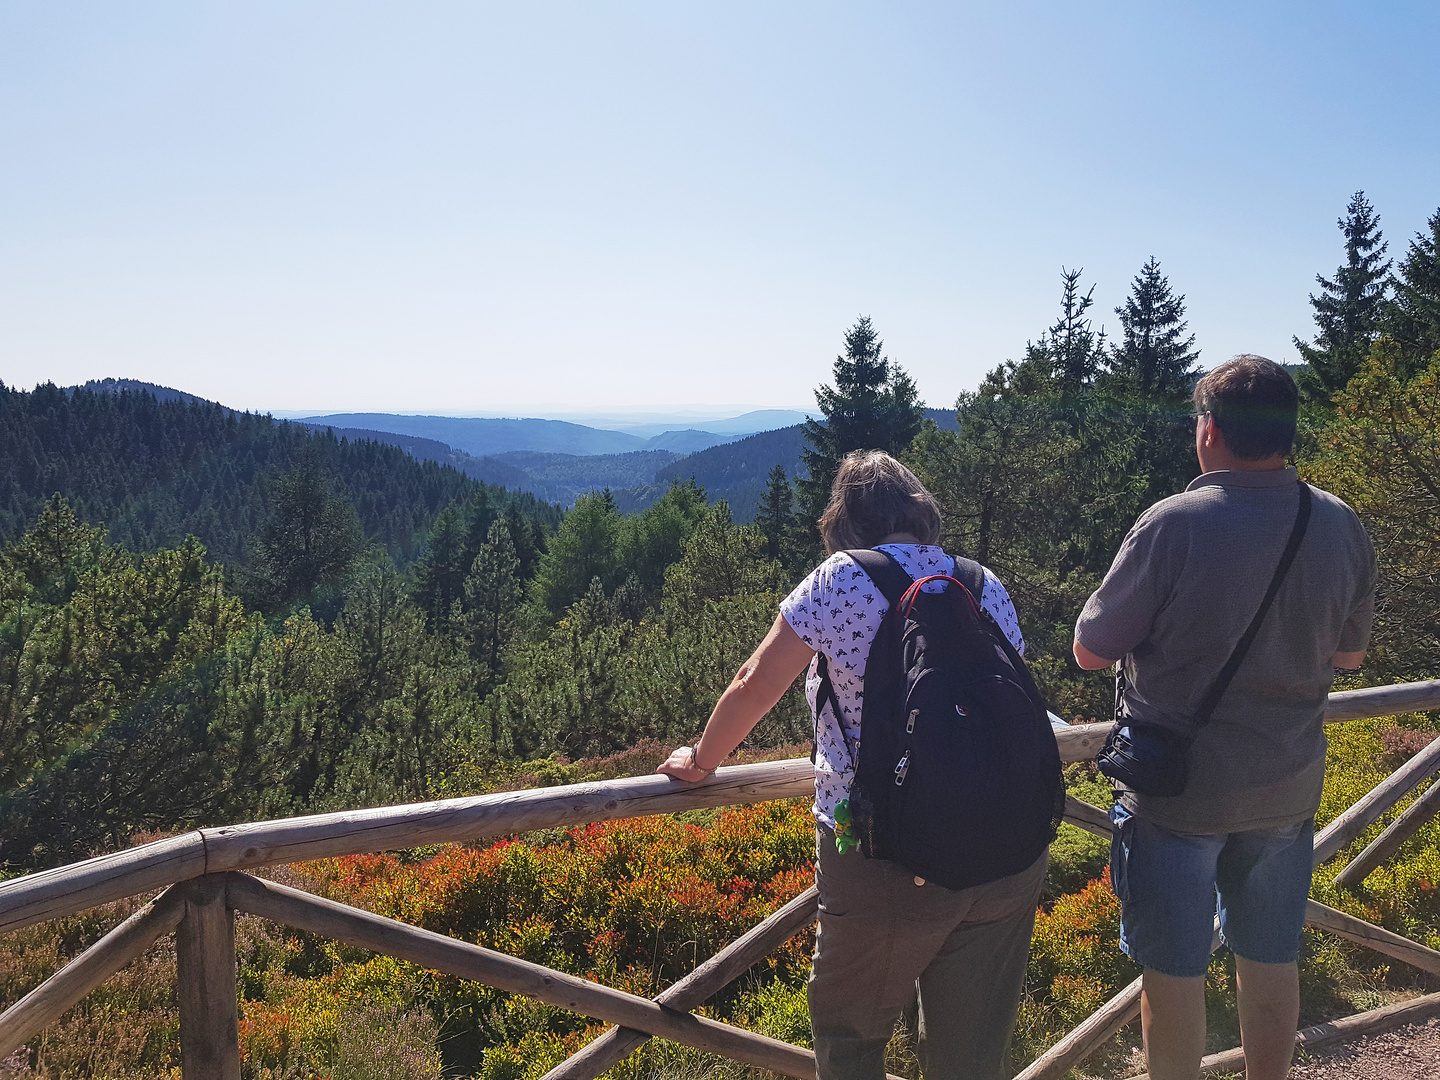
column 844, row 835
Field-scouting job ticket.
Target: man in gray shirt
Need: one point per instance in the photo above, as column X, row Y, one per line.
column 1189, row 578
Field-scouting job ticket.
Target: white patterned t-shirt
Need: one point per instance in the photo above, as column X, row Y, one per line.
column 837, row 612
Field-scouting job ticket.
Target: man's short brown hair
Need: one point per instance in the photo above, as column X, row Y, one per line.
column 873, row 497
column 1255, row 404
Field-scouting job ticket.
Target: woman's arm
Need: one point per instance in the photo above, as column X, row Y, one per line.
column 760, row 683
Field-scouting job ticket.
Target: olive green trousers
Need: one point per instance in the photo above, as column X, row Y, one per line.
column 883, row 936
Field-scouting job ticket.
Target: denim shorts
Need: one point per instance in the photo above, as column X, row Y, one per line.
column 1170, row 885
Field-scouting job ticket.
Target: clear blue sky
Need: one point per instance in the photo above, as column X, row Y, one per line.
column 482, row 207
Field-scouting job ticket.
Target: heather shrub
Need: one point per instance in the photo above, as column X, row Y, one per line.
column 635, row 904
column 128, row 1028
column 378, row 1042
column 781, row 1011
column 1078, row 857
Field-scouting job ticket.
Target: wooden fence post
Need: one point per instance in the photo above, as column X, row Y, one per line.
column 209, row 1014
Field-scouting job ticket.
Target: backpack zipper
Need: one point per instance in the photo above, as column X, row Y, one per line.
column 902, row 769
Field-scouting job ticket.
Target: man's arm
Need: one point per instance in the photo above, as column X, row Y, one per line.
column 1089, row 661
column 1121, row 613
column 1356, row 631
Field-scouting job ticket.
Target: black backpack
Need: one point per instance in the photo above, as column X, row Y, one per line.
column 958, row 773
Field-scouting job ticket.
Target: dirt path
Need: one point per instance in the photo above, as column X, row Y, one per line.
column 1408, row 1053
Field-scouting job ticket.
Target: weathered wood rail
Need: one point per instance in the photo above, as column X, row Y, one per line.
column 203, row 885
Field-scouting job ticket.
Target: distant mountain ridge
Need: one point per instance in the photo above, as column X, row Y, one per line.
column 749, row 423
column 557, row 460
column 489, row 436
column 558, row 478
column 738, row 471
column 482, row 437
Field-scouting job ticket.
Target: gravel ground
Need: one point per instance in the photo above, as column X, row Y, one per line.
column 1408, row 1053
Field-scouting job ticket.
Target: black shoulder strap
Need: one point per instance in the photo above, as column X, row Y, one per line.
column 972, row 575
column 892, row 581
column 1222, row 681
column 889, row 576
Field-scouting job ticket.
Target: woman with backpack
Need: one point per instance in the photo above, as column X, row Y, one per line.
column 885, row 927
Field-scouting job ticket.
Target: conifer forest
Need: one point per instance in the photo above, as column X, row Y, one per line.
column 209, row 617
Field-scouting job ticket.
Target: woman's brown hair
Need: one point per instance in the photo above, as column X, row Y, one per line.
column 873, row 497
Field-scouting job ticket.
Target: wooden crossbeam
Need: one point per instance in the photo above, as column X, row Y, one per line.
column 694, row 989
column 1087, row 816
column 1416, row 815
column 1382, row 700
column 55, row 997
column 437, row 952
column 1371, row 936
column 1086, row 1037
column 1376, row 801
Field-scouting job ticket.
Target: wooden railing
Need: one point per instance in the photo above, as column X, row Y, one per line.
column 203, row 885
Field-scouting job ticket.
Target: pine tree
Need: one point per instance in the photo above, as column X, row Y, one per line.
column 1349, row 308
column 1154, row 360
column 1074, row 349
column 722, row 560
column 873, row 405
column 1150, row 375
column 776, row 515
column 651, row 540
column 583, row 548
column 312, row 537
column 492, row 593
column 1413, row 319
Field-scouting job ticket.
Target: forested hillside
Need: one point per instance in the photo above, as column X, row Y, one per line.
column 154, row 471
column 739, row 471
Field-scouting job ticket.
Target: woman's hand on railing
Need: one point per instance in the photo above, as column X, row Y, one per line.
column 761, row 681
column 681, row 765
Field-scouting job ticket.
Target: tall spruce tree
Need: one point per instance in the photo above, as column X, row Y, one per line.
column 493, row 590
column 776, row 515
column 1151, row 372
column 872, row 406
column 582, row 550
column 1075, row 350
column 457, row 535
column 1154, row 360
column 1413, row 318
column 1350, row 306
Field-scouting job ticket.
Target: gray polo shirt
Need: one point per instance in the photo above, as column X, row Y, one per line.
column 1186, row 583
